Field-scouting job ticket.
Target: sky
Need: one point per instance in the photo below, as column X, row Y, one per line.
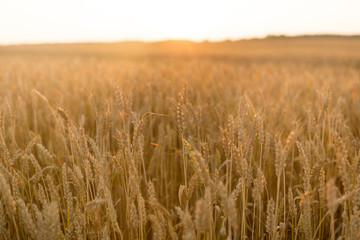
column 46, row 21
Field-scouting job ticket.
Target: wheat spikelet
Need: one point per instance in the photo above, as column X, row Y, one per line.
column 7, row 196
column 67, row 193
column 357, row 193
column 235, row 193
column 116, row 163
column 79, row 222
column 40, row 95
column 76, row 177
column 156, row 228
column 30, row 146
column 292, row 204
column 325, row 105
column 355, row 223
column 65, row 116
column 105, row 233
column 27, row 219
column 54, row 194
column 305, row 165
column 2, row 122
column 36, row 166
column 260, row 128
column 305, row 204
column 134, row 218
column 243, row 168
column 322, row 188
column 41, row 195
column 44, row 152
column 249, row 176
column 270, row 216
column 331, row 198
column 346, row 222
column 200, row 167
column 280, row 159
column 5, row 155
column 141, row 210
column 40, row 230
column 228, row 206
column 180, row 114
column 2, row 219
column 289, row 141
column 24, row 160
column 111, row 211
column 94, row 204
column 191, row 186
column 151, row 192
column 341, row 161
column 172, row 231
column 14, row 185
column 202, row 215
column 189, row 231
column 51, row 220
column 226, row 142
column 267, row 146
column 258, row 185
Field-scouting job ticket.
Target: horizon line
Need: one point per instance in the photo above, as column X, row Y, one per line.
column 264, row 37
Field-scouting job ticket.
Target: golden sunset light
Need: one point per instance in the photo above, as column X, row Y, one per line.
column 179, row 120
column 41, row 21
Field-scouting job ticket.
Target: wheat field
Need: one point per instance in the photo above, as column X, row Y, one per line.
column 255, row 139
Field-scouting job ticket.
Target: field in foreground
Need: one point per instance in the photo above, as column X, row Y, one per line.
column 176, row 140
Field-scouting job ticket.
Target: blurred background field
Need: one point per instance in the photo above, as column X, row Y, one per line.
column 303, row 47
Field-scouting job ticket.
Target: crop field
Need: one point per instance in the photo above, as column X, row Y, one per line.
column 252, row 139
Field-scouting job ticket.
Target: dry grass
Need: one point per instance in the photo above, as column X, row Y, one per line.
column 250, row 140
